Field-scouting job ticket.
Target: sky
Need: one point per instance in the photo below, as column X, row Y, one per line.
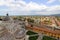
column 29, row 7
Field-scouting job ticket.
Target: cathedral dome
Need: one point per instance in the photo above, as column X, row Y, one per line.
column 20, row 33
column 7, row 18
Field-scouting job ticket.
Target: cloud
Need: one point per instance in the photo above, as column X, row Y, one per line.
column 51, row 1
column 22, row 8
column 53, row 8
column 34, row 6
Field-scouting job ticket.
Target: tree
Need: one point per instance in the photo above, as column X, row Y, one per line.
column 30, row 20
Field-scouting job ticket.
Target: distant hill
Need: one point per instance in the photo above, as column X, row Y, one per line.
column 55, row 15
column 36, row 15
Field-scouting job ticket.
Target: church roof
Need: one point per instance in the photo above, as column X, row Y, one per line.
column 6, row 18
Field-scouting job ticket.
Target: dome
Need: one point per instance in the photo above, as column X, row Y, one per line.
column 2, row 28
column 5, row 35
column 2, row 31
column 20, row 33
column 7, row 18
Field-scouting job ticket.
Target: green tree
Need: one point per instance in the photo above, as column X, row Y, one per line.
column 30, row 20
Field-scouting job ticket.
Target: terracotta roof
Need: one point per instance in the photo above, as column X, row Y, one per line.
column 47, row 30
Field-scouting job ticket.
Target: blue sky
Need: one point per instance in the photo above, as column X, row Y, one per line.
column 29, row 7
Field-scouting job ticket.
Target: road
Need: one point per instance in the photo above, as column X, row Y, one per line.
column 57, row 22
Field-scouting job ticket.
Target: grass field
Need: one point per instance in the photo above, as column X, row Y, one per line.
column 47, row 38
column 32, row 33
column 35, row 37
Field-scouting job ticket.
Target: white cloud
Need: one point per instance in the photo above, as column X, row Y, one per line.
column 34, row 6
column 51, row 1
column 54, row 8
column 22, row 7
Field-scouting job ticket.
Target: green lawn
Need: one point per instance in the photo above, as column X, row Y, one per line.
column 48, row 38
column 31, row 33
column 35, row 37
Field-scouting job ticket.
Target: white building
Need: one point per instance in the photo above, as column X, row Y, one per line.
column 14, row 28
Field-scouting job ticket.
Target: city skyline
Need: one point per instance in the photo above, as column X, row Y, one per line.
column 29, row 7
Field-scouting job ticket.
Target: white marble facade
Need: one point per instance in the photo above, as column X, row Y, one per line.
column 14, row 30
